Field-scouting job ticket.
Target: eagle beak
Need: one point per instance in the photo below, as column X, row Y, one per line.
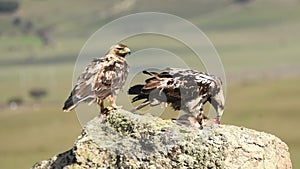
column 127, row 50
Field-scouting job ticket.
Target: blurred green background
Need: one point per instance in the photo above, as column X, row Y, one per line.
column 258, row 42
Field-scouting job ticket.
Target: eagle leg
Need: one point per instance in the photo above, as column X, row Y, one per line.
column 113, row 104
column 200, row 116
column 101, row 105
column 204, row 120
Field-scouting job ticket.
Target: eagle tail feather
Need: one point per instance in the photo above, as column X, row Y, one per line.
column 138, row 97
column 73, row 101
column 150, row 73
column 137, row 89
column 69, row 104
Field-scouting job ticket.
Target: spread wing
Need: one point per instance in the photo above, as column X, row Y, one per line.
column 101, row 78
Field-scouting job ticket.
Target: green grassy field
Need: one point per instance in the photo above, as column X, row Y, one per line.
column 31, row 134
column 257, row 42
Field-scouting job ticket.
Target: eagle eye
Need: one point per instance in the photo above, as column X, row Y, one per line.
column 119, row 48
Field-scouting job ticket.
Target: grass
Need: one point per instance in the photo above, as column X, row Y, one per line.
column 32, row 134
column 261, row 36
column 18, row 81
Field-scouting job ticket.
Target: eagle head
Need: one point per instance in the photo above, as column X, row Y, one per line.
column 119, row 50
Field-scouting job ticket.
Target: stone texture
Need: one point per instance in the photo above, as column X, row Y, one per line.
column 126, row 140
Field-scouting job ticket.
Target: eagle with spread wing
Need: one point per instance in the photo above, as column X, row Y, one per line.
column 102, row 78
column 183, row 89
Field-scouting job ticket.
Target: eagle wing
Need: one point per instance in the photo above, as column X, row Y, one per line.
column 184, row 89
column 101, row 78
column 167, row 86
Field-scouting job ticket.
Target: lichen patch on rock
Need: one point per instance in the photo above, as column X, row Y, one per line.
column 127, row 140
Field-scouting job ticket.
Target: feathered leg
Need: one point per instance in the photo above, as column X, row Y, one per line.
column 101, row 105
column 112, row 100
column 200, row 116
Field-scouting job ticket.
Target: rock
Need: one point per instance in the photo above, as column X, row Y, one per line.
column 126, row 140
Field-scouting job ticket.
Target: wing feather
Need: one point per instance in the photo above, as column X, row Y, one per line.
column 101, row 78
column 177, row 85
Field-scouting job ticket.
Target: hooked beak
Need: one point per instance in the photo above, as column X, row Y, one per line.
column 128, row 51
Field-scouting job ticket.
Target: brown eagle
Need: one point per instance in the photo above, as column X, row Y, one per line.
column 183, row 89
column 102, row 78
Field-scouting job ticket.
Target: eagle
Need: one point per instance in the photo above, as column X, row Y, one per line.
column 183, row 89
column 102, row 78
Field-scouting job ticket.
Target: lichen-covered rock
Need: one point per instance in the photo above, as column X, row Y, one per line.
column 126, row 140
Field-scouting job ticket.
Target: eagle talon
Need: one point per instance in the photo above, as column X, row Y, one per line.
column 110, row 108
column 104, row 112
column 217, row 122
column 115, row 107
column 187, row 121
column 210, row 122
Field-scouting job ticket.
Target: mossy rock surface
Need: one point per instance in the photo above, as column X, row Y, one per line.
column 127, row 140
